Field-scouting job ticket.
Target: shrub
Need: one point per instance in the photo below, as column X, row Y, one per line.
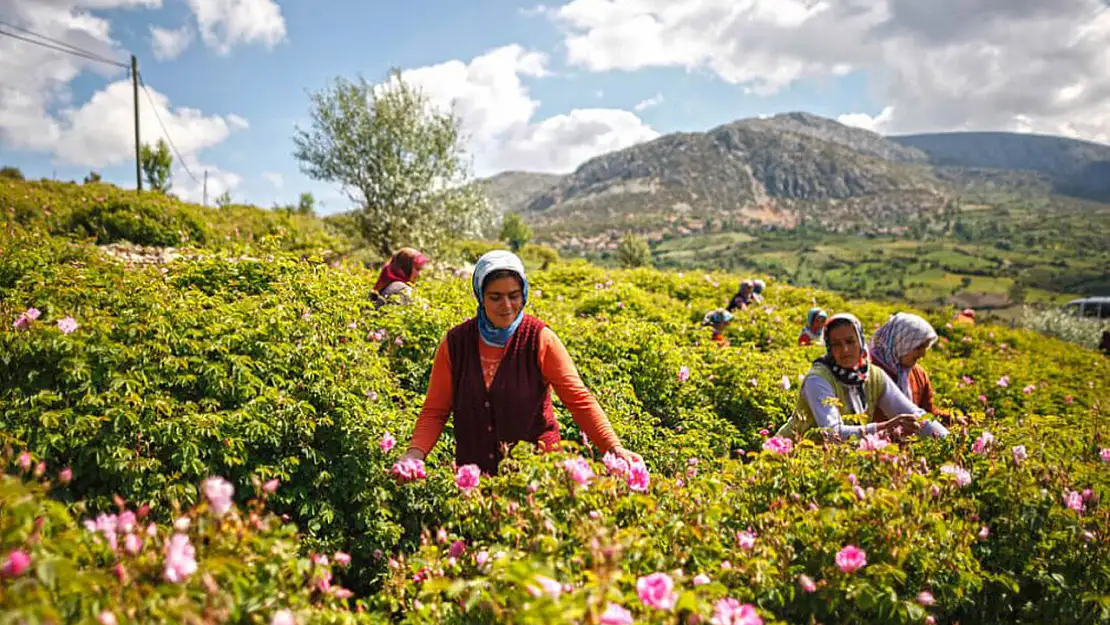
column 1064, row 326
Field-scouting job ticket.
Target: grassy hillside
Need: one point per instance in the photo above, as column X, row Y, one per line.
column 265, row 368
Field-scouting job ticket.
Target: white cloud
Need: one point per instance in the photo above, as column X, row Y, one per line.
column 275, row 179
column 225, row 23
column 1040, row 65
column 654, row 100
column 168, row 44
column 874, row 123
column 498, row 112
column 37, row 111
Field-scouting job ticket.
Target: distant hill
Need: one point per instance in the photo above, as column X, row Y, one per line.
column 513, row 190
column 1074, row 167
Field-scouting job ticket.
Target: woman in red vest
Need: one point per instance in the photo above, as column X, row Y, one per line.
column 494, row 373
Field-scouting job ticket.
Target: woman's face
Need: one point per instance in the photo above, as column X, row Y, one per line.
column 818, row 323
column 911, row 358
column 845, row 346
column 502, row 301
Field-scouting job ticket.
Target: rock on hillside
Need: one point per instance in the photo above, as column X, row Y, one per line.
column 856, row 139
column 1075, row 167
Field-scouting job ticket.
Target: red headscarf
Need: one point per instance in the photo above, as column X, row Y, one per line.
column 399, row 268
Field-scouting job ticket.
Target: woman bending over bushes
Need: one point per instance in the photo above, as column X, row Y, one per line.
column 844, row 376
column 494, row 373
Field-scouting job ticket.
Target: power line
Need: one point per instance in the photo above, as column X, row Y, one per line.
column 164, row 131
column 56, row 45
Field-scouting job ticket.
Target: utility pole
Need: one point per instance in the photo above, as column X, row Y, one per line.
column 135, row 93
column 206, row 187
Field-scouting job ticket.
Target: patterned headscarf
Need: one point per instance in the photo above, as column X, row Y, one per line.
column 900, row 335
column 857, row 375
column 717, row 317
column 758, row 286
column 487, row 264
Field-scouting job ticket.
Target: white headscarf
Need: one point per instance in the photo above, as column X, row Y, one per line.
column 900, row 335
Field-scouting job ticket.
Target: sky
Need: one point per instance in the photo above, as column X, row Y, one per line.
column 539, row 87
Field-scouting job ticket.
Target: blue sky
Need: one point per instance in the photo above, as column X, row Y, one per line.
column 600, row 58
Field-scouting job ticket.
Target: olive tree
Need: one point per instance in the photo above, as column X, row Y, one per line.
column 398, row 158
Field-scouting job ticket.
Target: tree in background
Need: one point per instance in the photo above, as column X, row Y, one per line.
column 515, row 232
column 11, row 173
column 398, row 158
column 93, row 177
column 223, row 200
column 306, row 205
column 632, row 251
column 157, row 166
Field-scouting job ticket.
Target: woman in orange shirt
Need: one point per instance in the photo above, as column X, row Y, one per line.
column 897, row 347
column 494, row 374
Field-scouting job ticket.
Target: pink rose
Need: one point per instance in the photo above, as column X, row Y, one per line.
column 925, row 598
column 387, row 442
column 701, row 579
column 271, row 486
column 779, row 445
column 65, row 476
column 409, row 470
column 806, row 583
column 616, row 615
column 578, row 469
column 683, row 373
column 851, row 559
column 16, row 564
column 67, row 325
column 342, row 558
column 731, row 612
column 546, row 586
column 657, row 591
column 283, row 617
column 1019, row 453
column 746, row 540
column 467, row 477
column 638, row 477
column 180, row 560
column 218, row 491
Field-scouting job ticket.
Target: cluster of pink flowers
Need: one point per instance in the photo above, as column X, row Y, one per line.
column 1074, row 500
column 578, row 469
column 963, row 478
column 729, row 611
column 635, row 474
column 26, row 318
column 982, row 443
column 779, row 445
column 409, row 469
column 745, row 539
column 872, row 442
column 111, row 526
column 467, row 477
column 851, row 559
column 219, row 493
column 180, row 559
column 657, row 591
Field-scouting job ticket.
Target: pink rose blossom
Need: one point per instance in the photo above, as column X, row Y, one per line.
column 67, row 325
column 1074, row 500
column 132, row 544
column 1069, row 400
column 615, row 464
column 929, row 620
column 24, row 461
column 1004, row 381
column 1029, row 389
column 963, row 478
column 15, row 564
column 283, row 617
column 683, row 373
column 779, row 445
column 925, row 598
column 579, row 470
column 872, row 442
column 806, row 583
column 657, row 591
column 616, row 615
column 387, row 442
column 765, row 432
column 271, row 486
column 409, row 470
column 1105, row 454
column 457, row 549
column 65, row 476
column 745, row 539
column 729, row 611
column 25, row 318
column 481, row 558
column 180, row 559
column 342, row 558
column 701, row 579
column 106, row 618
column 851, row 559
column 467, row 477
column 982, row 399
column 546, row 586
column 219, row 492
column 984, row 532
column 786, row 383
column 638, row 477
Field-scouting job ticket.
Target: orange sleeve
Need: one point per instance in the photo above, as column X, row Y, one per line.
column 437, row 403
column 925, row 393
column 559, row 371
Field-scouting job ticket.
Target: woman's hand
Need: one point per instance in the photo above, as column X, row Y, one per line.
column 626, row 455
column 412, row 454
column 900, row 427
column 403, row 471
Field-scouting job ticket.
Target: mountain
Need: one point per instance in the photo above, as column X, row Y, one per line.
column 511, row 190
column 851, row 137
column 1074, row 167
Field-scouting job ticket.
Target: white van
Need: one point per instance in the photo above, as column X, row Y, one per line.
column 1089, row 307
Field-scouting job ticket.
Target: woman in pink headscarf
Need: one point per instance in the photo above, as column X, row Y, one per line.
column 398, row 274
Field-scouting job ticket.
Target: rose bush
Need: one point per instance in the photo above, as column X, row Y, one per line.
column 280, row 370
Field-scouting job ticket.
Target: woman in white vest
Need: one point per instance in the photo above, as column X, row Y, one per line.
column 844, row 382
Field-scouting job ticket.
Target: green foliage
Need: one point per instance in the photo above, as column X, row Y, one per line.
column 92, row 178
column 397, row 157
column 11, row 173
column 1064, row 326
column 223, row 200
column 157, row 166
column 279, row 367
column 515, row 232
column 633, row 251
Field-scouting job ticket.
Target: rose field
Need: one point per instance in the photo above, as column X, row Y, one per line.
column 210, row 440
